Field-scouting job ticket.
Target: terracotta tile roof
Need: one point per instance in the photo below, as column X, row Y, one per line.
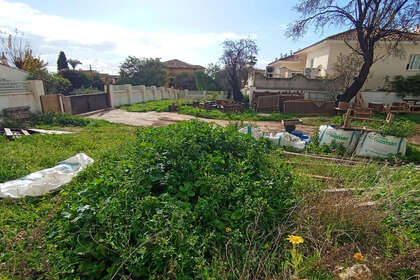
column 175, row 63
column 287, row 58
column 351, row 35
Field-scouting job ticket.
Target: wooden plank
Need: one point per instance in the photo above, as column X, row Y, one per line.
column 43, row 131
column 366, row 119
column 8, row 132
column 25, row 132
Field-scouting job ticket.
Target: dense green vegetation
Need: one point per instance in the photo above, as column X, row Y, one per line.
column 407, row 85
column 172, row 206
column 188, row 201
column 162, row 106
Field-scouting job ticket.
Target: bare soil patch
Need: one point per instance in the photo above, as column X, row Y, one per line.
column 165, row 118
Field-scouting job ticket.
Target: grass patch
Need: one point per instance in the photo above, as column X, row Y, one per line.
column 157, row 106
column 248, row 115
column 387, row 234
column 23, row 250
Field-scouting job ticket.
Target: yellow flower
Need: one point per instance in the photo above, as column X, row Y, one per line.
column 228, row 229
column 358, row 257
column 294, row 239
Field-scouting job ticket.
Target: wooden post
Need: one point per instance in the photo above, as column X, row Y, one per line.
column 108, row 92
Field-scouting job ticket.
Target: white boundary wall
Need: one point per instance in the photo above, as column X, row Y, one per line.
column 128, row 94
column 21, row 93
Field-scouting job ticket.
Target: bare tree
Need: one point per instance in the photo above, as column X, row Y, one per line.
column 389, row 21
column 347, row 69
column 15, row 47
column 237, row 57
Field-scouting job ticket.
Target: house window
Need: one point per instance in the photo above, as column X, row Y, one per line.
column 414, row 62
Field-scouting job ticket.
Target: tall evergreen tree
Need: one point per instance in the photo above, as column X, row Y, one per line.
column 62, row 63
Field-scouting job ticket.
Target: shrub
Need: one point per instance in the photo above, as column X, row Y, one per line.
column 59, row 119
column 55, row 84
column 407, row 85
column 169, row 207
column 77, row 79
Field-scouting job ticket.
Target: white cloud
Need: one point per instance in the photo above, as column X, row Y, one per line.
column 102, row 44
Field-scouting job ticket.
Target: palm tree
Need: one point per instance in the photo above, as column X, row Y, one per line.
column 74, row 62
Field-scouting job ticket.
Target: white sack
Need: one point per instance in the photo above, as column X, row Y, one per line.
column 41, row 182
column 251, row 131
column 374, row 145
column 285, row 139
column 347, row 138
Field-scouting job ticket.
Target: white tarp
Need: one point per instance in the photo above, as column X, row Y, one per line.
column 285, row 139
column 43, row 181
column 251, row 131
column 347, row 138
column 374, row 145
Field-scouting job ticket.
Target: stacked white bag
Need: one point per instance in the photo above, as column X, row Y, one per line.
column 252, row 131
column 285, row 139
column 282, row 139
column 347, row 138
column 374, row 145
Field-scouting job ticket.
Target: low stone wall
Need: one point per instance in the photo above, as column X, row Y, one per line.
column 21, row 93
column 297, row 82
column 309, row 107
column 128, row 94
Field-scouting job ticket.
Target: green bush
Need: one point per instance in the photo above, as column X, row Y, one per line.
column 55, row 84
column 158, row 106
column 168, row 209
column 407, row 85
column 59, row 119
column 398, row 128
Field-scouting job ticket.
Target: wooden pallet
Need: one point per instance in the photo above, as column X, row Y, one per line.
column 348, row 117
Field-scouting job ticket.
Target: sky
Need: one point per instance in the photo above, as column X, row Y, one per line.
column 102, row 33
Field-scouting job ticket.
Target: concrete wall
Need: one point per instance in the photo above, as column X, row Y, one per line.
column 368, row 96
column 12, row 74
column 128, row 94
column 23, row 93
column 298, row 82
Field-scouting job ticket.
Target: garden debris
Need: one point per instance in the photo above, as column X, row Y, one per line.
column 252, row 131
column 43, row 131
column 282, row 139
column 43, row 181
column 286, row 139
column 14, row 133
column 17, row 113
column 356, row 272
column 290, row 125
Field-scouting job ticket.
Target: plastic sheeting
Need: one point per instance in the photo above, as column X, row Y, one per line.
column 282, row 139
column 43, row 181
column 374, row 145
column 285, row 139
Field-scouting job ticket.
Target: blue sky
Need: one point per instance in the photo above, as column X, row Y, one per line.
column 102, row 33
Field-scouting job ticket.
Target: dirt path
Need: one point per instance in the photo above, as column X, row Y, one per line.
column 166, row 118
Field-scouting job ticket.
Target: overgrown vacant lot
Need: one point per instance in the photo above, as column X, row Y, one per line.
column 189, row 201
column 249, row 115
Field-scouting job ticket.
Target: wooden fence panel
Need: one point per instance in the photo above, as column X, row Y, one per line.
column 51, row 103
